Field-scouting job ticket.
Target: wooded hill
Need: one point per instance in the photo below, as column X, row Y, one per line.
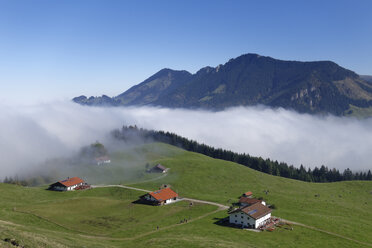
column 318, row 174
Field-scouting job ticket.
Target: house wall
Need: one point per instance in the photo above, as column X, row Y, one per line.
column 73, row 187
column 59, row 188
column 261, row 221
column 149, row 198
column 245, row 220
column 240, row 218
column 103, row 162
column 170, row 201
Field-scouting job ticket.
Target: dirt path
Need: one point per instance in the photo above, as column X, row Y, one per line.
column 120, row 186
column 153, row 179
column 3, row 222
column 220, row 206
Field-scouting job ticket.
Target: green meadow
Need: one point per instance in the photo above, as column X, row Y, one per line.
column 334, row 214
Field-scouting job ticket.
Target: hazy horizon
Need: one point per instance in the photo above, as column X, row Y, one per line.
column 32, row 134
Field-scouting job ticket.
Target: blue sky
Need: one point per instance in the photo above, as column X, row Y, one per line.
column 60, row 49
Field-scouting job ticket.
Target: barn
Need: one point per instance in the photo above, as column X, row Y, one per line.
column 247, row 201
column 102, row 160
column 67, row 184
column 248, row 194
column 252, row 216
column 158, row 169
column 161, row 197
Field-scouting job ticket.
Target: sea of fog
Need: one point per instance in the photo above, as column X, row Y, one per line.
column 31, row 134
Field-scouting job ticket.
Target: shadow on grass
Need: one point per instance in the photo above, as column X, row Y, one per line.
column 144, row 202
column 223, row 222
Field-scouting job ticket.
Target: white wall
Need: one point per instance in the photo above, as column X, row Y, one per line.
column 150, row 198
column 261, row 220
column 170, row 201
column 240, row 218
column 73, row 187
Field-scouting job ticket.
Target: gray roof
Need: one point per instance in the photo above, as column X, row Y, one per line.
column 255, row 211
column 160, row 167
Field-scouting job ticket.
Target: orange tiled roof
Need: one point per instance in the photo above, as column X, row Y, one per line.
column 248, row 193
column 71, row 181
column 163, row 194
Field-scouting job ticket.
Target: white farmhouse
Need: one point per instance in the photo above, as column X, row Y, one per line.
column 158, row 169
column 67, row 185
column 162, row 196
column 252, row 216
column 102, row 160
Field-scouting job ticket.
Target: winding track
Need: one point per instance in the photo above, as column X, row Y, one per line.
column 220, row 206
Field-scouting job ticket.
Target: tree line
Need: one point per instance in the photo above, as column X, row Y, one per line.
column 321, row 174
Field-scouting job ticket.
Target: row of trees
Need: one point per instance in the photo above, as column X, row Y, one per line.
column 32, row 181
column 322, row 174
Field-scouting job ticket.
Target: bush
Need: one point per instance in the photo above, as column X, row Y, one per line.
column 273, row 206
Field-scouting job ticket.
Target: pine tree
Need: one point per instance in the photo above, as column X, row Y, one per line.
column 369, row 175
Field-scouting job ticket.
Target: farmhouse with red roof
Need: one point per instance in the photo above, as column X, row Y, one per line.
column 67, row 184
column 248, row 194
column 161, row 197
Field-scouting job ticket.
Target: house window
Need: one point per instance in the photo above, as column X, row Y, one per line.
column 236, row 215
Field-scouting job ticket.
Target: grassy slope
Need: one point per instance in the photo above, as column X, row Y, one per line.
column 343, row 208
column 358, row 112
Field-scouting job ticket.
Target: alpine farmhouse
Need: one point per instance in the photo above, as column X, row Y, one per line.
column 250, row 216
column 161, row 197
column 102, row 160
column 67, row 184
column 157, row 169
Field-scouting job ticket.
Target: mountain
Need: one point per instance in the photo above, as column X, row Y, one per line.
column 367, row 78
column 154, row 88
column 251, row 79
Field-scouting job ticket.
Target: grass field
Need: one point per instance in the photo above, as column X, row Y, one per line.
column 106, row 217
column 360, row 113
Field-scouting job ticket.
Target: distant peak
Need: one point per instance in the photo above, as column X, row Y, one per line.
column 205, row 70
column 166, row 71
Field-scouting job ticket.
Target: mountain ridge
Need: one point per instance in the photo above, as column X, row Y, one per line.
column 250, row 79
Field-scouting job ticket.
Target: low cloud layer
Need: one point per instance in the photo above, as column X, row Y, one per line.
column 30, row 135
